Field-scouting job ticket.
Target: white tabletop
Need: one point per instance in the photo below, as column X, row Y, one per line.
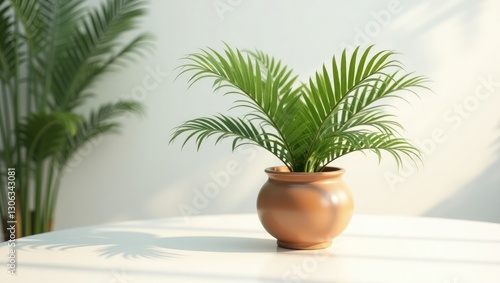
column 235, row 248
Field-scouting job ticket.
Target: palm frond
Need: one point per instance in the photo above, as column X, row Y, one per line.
column 347, row 142
column 94, row 48
column 348, row 97
column 51, row 52
column 26, row 13
column 44, row 135
column 7, row 44
column 223, row 127
column 103, row 120
column 341, row 109
column 55, row 22
column 288, row 114
column 264, row 83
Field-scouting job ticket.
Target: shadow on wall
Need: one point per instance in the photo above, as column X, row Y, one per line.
column 466, row 12
column 477, row 200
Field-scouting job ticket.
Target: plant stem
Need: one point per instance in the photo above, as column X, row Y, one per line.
column 25, row 203
column 50, row 63
column 5, row 126
column 3, row 194
column 53, row 197
column 38, row 196
column 48, row 196
column 6, row 160
column 38, row 178
column 23, row 178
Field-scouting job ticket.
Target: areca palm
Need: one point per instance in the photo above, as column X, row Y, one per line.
column 339, row 110
column 51, row 54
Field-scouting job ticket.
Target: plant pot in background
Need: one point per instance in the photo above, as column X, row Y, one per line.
column 304, row 210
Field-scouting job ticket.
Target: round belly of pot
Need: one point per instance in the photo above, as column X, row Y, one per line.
column 304, row 210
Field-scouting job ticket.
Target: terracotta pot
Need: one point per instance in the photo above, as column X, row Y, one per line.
column 304, row 210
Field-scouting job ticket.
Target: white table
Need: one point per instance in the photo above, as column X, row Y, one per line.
column 235, row 248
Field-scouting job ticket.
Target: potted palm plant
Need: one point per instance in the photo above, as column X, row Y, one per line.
column 51, row 55
column 339, row 110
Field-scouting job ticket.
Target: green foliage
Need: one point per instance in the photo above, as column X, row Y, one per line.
column 51, row 54
column 339, row 110
column 45, row 135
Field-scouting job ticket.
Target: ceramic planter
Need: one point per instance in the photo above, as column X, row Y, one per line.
column 304, row 210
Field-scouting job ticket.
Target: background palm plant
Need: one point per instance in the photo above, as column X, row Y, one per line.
column 341, row 109
column 51, row 54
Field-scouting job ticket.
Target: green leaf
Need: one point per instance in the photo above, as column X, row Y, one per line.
column 44, row 135
column 339, row 110
column 103, row 120
column 94, row 48
column 51, row 54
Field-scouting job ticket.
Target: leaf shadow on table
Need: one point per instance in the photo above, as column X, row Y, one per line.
column 222, row 244
column 477, row 200
column 132, row 244
column 127, row 244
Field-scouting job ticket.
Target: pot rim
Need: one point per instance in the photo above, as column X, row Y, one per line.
column 283, row 170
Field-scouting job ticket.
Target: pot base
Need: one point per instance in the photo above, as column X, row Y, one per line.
column 304, row 246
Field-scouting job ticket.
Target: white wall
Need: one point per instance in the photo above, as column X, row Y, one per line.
column 138, row 175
